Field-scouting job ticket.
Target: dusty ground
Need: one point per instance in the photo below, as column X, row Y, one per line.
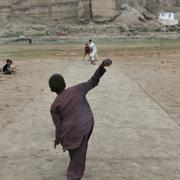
column 136, row 107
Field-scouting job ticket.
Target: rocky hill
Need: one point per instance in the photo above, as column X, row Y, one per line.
column 45, row 17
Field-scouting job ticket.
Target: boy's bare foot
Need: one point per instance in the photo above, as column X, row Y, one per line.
column 93, row 62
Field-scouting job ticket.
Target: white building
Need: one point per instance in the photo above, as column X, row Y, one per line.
column 168, row 18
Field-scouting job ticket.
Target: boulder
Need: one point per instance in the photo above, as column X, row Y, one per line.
column 148, row 15
column 104, row 11
column 84, row 14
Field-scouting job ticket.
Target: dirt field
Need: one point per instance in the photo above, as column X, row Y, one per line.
column 136, row 107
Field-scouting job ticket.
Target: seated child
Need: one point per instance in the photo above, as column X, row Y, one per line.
column 7, row 69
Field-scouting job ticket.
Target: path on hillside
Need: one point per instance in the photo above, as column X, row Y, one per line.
column 133, row 138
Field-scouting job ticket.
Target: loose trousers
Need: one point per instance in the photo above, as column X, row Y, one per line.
column 7, row 72
column 78, row 160
column 93, row 55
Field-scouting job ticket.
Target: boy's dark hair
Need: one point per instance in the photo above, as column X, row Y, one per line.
column 90, row 40
column 8, row 60
column 57, row 83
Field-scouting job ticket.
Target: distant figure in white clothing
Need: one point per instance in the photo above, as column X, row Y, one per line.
column 93, row 52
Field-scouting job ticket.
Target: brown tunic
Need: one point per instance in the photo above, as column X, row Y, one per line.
column 71, row 113
column 87, row 50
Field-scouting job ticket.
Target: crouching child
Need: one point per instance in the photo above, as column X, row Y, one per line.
column 7, row 68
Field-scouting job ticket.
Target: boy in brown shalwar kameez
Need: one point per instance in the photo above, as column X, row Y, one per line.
column 73, row 119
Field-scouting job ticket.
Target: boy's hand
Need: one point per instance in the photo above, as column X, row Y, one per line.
column 107, row 62
column 56, row 142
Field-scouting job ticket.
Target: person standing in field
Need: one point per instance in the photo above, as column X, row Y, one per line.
column 73, row 118
column 93, row 52
column 87, row 50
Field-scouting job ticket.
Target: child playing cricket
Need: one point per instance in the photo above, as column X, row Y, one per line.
column 87, row 50
column 73, row 118
column 93, row 52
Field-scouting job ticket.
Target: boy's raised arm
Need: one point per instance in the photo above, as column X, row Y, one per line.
column 93, row 82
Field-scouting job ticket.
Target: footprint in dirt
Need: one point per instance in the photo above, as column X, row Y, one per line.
column 7, row 105
column 4, row 157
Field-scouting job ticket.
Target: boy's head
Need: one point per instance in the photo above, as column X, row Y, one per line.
column 8, row 61
column 90, row 41
column 57, row 83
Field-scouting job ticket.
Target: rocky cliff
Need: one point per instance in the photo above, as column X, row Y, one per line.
column 45, row 16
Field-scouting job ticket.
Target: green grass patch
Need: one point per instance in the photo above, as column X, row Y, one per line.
column 76, row 47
